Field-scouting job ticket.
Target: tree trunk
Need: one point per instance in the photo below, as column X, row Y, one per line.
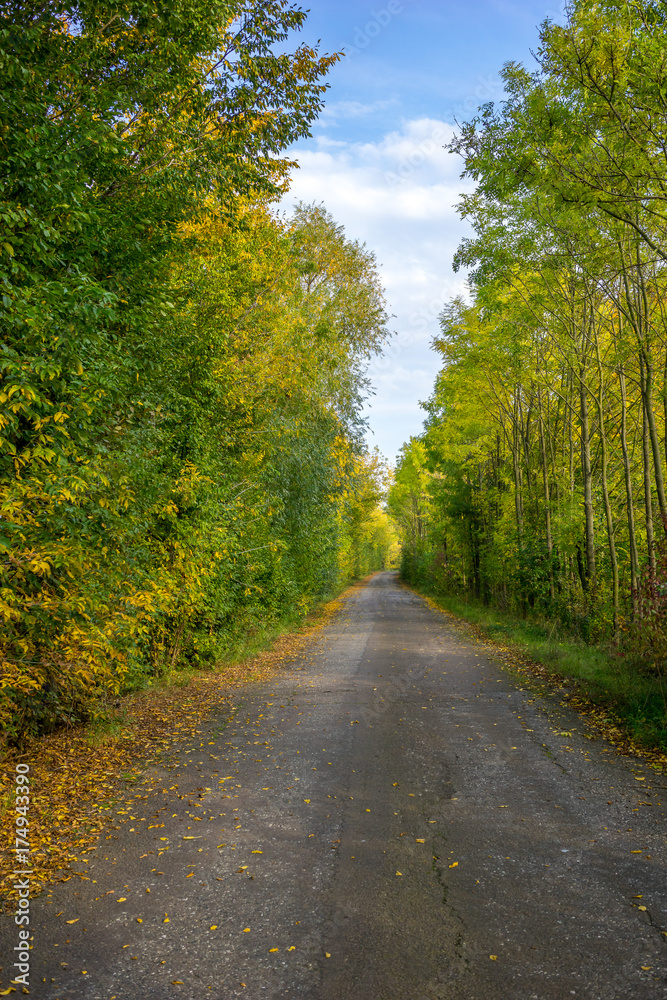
column 591, row 575
column 632, row 537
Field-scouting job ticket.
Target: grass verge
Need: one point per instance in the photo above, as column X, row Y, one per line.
column 617, row 695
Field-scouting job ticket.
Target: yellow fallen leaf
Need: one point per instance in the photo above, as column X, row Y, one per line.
column 639, row 779
column 246, row 930
column 273, row 949
column 399, row 873
column 177, row 982
column 454, row 865
column 635, row 852
column 642, row 908
column 292, row 948
column 257, row 852
column 214, row 927
column 306, row 800
column 190, row 875
column 166, row 920
column 494, row 958
column 84, row 972
column 647, row 968
column 368, row 810
column 395, row 784
column 420, row 840
column 4, row 993
column 139, row 920
column 327, row 954
column 72, row 921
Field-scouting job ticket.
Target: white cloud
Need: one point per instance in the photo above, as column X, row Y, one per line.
column 398, row 196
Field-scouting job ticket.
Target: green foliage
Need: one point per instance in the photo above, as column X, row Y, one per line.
column 538, row 485
column 182, row 373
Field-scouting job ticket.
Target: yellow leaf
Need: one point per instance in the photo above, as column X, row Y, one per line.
column 642, row 908
column 257, row 852
column 399, row 873
column 72, row 921
column 494, row 958
column 273, row 949
column 327, row 954
column 177, row 982
column 214, row 927
column 139, row 920
column 246, row 930
column 419, row 841
column 292, row 948
column 306, row 800
column 454, row 865
column 4, row 993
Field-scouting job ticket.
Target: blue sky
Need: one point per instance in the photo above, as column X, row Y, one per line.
column 376, row 160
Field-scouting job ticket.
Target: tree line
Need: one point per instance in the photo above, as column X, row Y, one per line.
column 538, row 484
column 183, row 370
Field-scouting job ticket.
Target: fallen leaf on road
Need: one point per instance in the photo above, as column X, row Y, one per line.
column 327, row 954
column 213, row 927
column 399, row 873
column 454, row 864
column 246, row 930
column 273, row 949
column 494, row 958
column 420, row 841
column 292, row 948
column 72, row 921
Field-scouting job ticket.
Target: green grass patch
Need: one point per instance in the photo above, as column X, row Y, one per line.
column 632, row 691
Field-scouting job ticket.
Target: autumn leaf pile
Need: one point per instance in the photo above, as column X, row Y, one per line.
column 75, row 774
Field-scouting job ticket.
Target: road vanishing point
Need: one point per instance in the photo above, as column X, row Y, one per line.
column 392, row 817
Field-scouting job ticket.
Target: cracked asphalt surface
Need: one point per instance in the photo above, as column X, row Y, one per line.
column 391, row 817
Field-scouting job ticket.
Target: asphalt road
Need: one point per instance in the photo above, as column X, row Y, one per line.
column 393, row 818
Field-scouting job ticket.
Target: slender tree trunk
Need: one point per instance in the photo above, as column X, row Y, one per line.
column 655, row 442
column 591, row 574
column 648, row 499
column 604, row 456
column 547, row 502
column 627, row 473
